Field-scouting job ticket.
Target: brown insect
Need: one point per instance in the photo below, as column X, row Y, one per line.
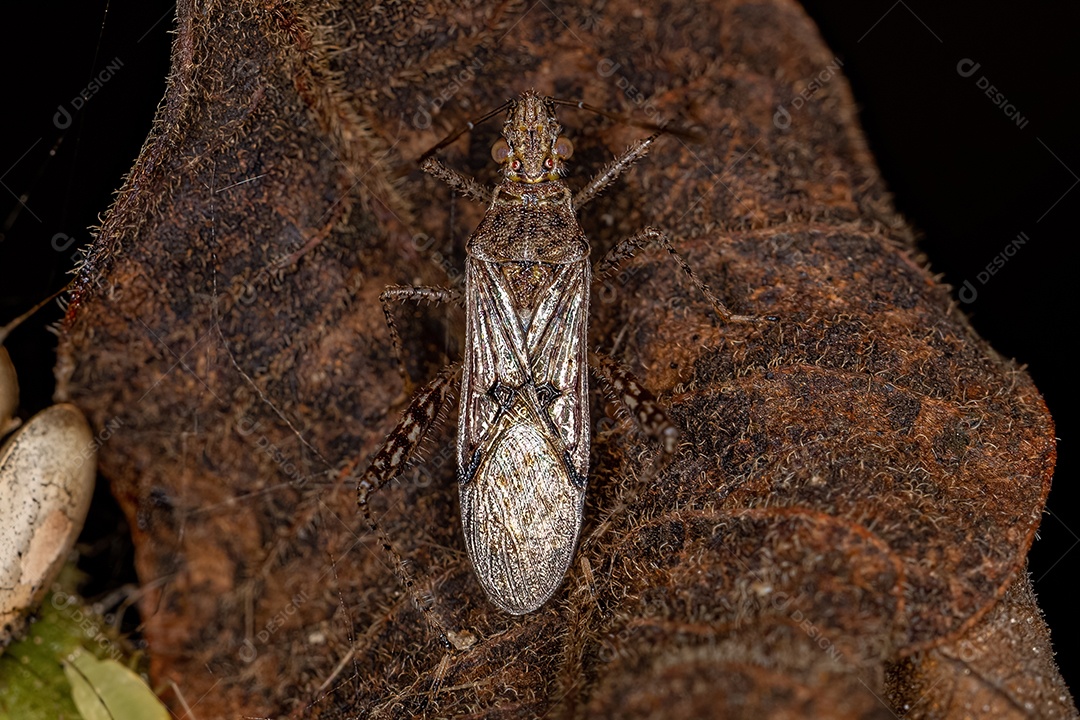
column 523, row 430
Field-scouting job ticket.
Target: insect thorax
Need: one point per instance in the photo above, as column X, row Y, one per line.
column 530, row 223
column 527, row 284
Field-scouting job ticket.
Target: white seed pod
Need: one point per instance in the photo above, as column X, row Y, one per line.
column 9, row 393
column 47, row 471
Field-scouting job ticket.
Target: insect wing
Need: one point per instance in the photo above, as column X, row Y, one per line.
column 523, row 442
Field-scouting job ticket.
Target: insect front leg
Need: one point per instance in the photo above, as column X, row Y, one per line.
column 614, row 169
column 419, row 293
column 400, row 446
column 458, row 181
column 654, row 237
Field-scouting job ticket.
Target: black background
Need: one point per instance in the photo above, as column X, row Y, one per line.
column 962, row 172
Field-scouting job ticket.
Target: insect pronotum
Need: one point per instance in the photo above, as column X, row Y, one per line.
column 523, row 428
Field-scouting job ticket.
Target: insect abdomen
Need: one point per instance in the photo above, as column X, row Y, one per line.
column 521, row 513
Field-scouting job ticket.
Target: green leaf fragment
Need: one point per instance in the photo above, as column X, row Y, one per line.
column 106, row 690
column 54, row 673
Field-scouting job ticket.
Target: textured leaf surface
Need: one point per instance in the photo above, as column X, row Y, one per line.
column 33, row 684
column 857, row 484
column 999, row 668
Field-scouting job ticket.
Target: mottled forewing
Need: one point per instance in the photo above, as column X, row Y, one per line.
column 519, row 345
column 524, row 460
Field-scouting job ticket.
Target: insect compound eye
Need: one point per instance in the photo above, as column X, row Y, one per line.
column 549, row 163
column 563, row 147
column 500, row 151
column 515, row 165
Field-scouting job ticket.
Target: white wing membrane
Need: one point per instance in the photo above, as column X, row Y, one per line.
column 521, row 513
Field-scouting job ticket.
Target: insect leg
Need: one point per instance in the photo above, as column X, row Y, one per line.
column 651, row 236
column 401, row 444
column 614, row 169
column 458, row 181
column 421, row 293
column 635, row 400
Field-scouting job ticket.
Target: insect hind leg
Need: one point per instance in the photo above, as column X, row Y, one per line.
column 400, row 446
column 634, row 401
column 651, row 236
column 640, row 405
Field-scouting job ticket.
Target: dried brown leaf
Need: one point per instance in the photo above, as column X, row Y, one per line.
column 1000, row 668
column 858, row 483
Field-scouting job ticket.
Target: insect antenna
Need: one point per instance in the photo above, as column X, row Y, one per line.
column 468, row 126
column 664, row 127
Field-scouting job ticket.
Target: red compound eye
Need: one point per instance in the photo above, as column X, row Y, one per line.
column 515, row 165
column 549, row 163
